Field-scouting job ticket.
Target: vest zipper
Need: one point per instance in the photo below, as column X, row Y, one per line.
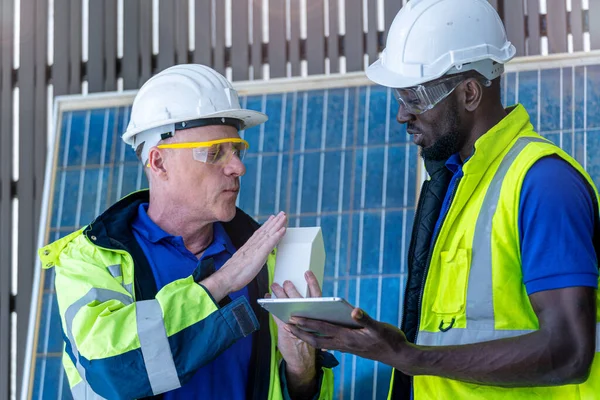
column 454, row 189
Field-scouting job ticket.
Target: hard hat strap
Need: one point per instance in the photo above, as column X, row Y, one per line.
column 195, row 123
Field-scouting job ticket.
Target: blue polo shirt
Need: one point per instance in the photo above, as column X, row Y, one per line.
column 556, row 225
column 226, row 377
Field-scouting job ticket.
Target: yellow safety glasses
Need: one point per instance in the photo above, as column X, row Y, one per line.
column 216, row 152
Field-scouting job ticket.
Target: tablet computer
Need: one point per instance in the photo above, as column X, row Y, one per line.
column 334, row 310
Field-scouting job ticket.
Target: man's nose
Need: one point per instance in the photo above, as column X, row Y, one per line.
column 235, row 166
column 403, row 116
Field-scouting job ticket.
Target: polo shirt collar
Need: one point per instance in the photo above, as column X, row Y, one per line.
column 154, row 233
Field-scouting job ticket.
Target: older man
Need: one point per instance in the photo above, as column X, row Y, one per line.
column 157, row 295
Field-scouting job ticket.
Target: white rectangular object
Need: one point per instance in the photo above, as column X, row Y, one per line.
column 300, row 250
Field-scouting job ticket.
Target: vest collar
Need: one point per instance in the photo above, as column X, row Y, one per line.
column 495, row 141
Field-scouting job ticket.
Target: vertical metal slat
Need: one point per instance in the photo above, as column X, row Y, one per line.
column 181, row 24
column 576, row 19
column 277, row 41
column 74, row 46
column 203, row 44
column 514, row 22
column 6, row 113
column 131, row 44
column 556, row 23
column 239, row 40
column 145, row 41
column 166, row 34
column 294, row 45
column 353, row 42
column 594, row 24
column 333, row 40
column 41, row 103
column 27, row 232
column 62, row 47
column 315, row 37
column 533, row 27
column 371, row 35
column 110, row 44
column 96, row 58
column 256, row 53
column 219, row 24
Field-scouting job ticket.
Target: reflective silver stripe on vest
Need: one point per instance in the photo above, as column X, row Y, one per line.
column 156, row 350
column 115, row 270
column 480, row 304
column 465, row 336
column 155, row 347
column 83, row 391
column 129, row 288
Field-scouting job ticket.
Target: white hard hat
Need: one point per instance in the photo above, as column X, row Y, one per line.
column 180, row 96
column 431, row 38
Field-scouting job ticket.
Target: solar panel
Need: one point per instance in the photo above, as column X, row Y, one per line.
column 329, row 157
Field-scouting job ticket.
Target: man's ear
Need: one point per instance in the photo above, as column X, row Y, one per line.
column 156, row 163
column 472, row 94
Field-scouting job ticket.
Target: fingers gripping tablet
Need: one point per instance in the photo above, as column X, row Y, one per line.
column 334, row 310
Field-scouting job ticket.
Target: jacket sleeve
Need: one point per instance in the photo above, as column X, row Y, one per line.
column 128, row 349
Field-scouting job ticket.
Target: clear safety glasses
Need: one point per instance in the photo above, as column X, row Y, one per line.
column 421, row 98
column 216, row 152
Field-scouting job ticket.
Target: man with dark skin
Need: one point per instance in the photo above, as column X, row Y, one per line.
column 559, row 353
column 530, row 330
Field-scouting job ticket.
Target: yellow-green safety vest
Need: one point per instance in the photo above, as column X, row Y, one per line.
column 474, row 290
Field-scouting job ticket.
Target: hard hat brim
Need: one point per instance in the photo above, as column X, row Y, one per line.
column 379, row 74
column 249, row 118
